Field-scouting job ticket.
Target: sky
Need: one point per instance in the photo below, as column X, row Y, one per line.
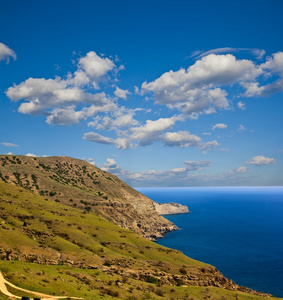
column 159, row 93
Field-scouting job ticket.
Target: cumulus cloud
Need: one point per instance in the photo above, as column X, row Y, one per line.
column 219, row 126
column 273, row 67
column 196, row 90
column 6, row 53
column 9, row 144
column 143, row 135
column 95, row 66
column 191, row 174
column 46, row 94
column 65, row 116
column 274, row 63
column 209, row 146
column 260, row 160
column 241, row 105
column 181, row 174
column 152, row 130
column 121, row 117
column 180, row 139
column 121, row 93
column 57, row 98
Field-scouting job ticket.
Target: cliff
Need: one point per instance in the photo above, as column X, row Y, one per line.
column 171, row 208
column 76, row 183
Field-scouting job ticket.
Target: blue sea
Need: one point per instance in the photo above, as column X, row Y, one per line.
column 239, row 230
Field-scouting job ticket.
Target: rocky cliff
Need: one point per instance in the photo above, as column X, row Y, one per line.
column 76, row 183
column 171, row 208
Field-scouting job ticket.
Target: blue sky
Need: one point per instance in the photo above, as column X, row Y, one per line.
column 159, row 93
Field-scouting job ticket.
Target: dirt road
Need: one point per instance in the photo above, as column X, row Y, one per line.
column 4, row 290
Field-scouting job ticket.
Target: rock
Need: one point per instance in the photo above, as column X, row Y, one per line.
column 171, row 208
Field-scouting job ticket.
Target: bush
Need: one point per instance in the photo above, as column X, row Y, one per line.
column 159, row 292
column 152, row 279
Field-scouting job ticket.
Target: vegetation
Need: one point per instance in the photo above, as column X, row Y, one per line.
column 56, row 248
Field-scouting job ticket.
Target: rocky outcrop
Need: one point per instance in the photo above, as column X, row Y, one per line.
column 171, row 208
column 79, row 184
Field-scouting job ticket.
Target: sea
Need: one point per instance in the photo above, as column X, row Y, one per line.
column 239, row 230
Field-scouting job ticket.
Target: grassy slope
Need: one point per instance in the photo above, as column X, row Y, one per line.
column 92, row 257
column 78, row 184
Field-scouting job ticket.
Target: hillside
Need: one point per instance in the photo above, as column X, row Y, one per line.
column 79, row 184
column 48, row 247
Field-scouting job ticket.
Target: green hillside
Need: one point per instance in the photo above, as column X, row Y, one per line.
column 79, row 184
column 57, row 249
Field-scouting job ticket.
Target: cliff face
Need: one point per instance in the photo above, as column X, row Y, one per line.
column 79, row 184
column 171, row 208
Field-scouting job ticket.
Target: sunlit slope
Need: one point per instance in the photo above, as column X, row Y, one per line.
column 79, row 184
column 49, row 247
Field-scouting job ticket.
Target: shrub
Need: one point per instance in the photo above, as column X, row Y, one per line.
column 152, row 279
column 159, row 292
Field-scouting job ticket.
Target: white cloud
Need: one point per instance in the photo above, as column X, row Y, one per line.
column 31, row 155
column 241, row 170
column 196, row 165
column 241, row 105
column 65, row 116
column 97, row 138
column 274, row 63
column 219, row 126
column 259, row 53
column 242, row 127
column 209, row 146
column 197, row 89
column 121, row 117
column 180, row 139
column 56, row 97
column 144, row 135
column 171, row 176
column 253, row 89
column 272, row 68
column 10, row 145
column 124, row 143
column 152, row 130
column 260, row 160
column 6, row 53
column 121, row 93
column 95, row 66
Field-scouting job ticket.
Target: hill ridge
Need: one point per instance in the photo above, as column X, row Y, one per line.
column 77, row 183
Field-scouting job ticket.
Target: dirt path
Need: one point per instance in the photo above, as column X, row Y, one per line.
column 4, row 290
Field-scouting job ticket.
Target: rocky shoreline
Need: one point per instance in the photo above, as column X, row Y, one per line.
column 171, row 208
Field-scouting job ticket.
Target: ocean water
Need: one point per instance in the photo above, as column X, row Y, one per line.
column 239, row 230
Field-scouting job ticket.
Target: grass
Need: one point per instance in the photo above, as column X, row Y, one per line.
column 94, row 284
column 57, row 249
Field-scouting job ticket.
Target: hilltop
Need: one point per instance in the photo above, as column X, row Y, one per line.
column 79, row 184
